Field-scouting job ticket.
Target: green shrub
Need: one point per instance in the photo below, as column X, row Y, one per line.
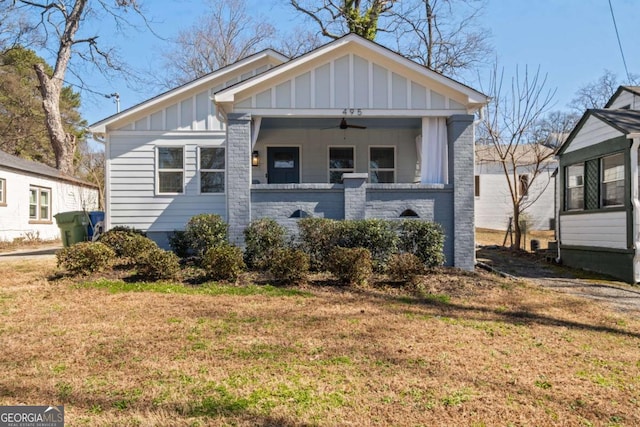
column 85, row 257
column 424, row 239
column 129, row 230
column 223, row 262
column 405, row 266
column 289, row 265
column 127, row 245
column 157, row 264
column 179, row 243
column 205, row 231
column 351, row 265
column 318, row 236
column 377, row 235
column 262, row 237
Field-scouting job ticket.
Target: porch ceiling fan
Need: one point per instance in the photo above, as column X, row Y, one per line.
column 344, row 125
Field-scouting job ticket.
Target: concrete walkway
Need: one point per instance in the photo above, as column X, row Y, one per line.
column 40, row 252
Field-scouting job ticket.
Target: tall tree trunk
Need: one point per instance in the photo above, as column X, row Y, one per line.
column 64, row 144
column 430, row 24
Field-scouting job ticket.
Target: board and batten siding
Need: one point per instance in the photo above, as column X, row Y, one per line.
column 593, row 132
column 193, row 111
column 132, row 197
column 350, row 81
column 602, row 229
column 626, row 99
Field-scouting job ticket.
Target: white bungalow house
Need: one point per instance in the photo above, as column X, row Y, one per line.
column 493, row 199
column 350, row 130
column 599, row 205
column 31, row 194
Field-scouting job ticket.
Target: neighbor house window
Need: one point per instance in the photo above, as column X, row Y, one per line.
column 212, row 164
column 612, row 185
column 3, row 192
column 341, row 160
column 382, row 164
column 39, row 204
column 575, row 187
column 523, row 187
column 170, row 170
column 477, row 185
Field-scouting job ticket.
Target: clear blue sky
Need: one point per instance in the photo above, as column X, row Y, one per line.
column 573, row 41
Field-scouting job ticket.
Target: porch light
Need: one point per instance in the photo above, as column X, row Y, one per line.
column 255, row 158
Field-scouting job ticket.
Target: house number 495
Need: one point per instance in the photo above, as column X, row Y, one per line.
column 352, row 111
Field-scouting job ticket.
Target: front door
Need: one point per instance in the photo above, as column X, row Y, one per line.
column 283, row 165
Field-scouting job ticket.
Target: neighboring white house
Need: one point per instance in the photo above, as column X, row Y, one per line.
column 599, row 202
column 31, row 194
column 493, row 197
column 350, row 130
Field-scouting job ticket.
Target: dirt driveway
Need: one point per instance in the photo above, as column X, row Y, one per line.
column 536, row 269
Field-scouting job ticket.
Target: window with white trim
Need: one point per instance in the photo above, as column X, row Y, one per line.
column 574, row 185
column 170, row 161
column 39, row 204
column 612, row 180
column 212, row 164
column 3, row 192
column 382, row 164
column 341, row 160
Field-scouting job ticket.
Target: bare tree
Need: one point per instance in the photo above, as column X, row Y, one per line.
column 443, row 35
column 597, row 93
column 92, row 169
column 222, row 36
column 507, row 125
column 552, row 129
column 298, row 42
column 60, row 22
column 339, row 17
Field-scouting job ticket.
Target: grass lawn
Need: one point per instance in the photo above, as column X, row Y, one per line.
column 470, row 350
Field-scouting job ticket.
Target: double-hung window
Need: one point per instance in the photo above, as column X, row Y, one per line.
column 341, row 160
column 212, row 164
column 3, row 192
column 39, row 204
column 574, row 187
column 382, row 164
column 612, row 184
column 170, row 162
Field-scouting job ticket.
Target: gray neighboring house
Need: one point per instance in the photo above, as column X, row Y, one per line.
column 599, row 205
column 350, row 130
column 32, row 193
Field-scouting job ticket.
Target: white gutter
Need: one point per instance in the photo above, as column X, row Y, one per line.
column 635, row 201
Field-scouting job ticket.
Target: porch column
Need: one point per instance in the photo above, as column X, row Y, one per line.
column 355, row 195
column 461, row 143
column 238, row 175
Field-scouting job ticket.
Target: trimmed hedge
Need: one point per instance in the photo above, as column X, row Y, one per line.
column 205, row 231
column 351, row 265
column 223, row 262
column 405, row 266
column 318, row 236
column 85, row 257
column 262, row 238
column 377, row 235
column 289, row 265
column 158, row 264
column 424, row 239
column 127, row 244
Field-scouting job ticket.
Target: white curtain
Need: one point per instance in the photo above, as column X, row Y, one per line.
column 433, row 151
column 257, row 121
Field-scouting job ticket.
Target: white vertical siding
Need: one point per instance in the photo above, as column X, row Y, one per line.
column 132, row 198
column 594, row 131
column 626, row 99
column 65, row 197
column 602, row 229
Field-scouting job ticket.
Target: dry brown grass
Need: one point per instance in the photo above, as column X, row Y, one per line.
column 485, row 236
column 475, row 351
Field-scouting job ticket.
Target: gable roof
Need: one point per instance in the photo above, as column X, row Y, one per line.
column 625, row 121
column 632, row 89
column 204, row 81
column 228, row 95
column 18, row 164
